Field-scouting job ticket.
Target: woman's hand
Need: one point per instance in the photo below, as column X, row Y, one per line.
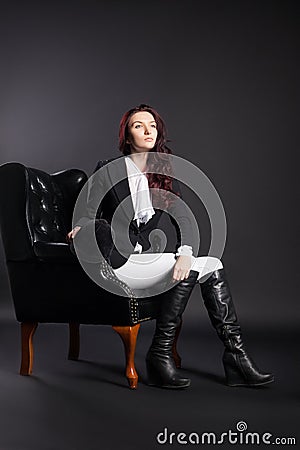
column 73, row 233
column 182, row 268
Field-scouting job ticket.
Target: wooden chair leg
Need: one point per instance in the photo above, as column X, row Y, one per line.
column 128, row 335
column 74, row 341
column 176, row 356
column 27, row 332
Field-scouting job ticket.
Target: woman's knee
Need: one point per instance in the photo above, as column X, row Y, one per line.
column 214, row 263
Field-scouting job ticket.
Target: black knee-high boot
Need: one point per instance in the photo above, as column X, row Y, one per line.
column 239, row 368
column 160, row 364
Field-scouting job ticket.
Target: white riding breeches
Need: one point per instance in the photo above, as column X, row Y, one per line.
column 144, row 270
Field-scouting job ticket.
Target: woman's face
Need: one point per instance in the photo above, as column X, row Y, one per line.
column 142, row 132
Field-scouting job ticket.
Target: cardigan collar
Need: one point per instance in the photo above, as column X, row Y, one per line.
column 117, row 174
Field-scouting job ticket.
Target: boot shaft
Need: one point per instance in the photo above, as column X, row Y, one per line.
column 172, row 307
column 219, row 304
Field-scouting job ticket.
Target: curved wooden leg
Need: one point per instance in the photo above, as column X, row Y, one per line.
column 27, row 332
column 176, row 356
column 128, row 335
column 74, row 341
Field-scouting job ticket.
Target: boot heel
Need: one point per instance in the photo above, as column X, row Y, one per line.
column 234, row 375
column 241, row 371
column 154, row 379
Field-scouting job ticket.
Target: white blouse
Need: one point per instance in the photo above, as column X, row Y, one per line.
column 142, row 204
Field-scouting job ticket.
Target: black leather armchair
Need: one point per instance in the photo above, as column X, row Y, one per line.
column 47, row 282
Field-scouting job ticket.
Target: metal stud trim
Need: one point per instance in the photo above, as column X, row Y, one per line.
column 108, row 273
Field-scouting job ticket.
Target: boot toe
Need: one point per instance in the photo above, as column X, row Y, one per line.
column 263, row 379
column 180, row 383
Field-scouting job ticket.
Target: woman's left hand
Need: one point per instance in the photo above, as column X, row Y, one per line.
column 182, row 268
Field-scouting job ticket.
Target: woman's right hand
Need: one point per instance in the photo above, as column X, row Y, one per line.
column 73, row 233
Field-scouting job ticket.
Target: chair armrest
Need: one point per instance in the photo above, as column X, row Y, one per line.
column 53, row 252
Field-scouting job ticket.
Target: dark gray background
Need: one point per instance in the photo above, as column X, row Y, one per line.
column 224, row 75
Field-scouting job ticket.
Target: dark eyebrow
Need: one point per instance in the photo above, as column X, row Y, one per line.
column 139, row 121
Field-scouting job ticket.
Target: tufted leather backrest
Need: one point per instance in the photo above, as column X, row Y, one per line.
column 36, row 207
column 45, row 210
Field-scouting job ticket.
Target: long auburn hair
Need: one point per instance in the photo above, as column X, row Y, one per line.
column 159, row 162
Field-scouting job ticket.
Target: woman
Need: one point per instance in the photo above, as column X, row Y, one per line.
column 145, row 176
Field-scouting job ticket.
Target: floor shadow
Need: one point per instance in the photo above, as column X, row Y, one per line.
column 110, row 369
column 204, row 375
